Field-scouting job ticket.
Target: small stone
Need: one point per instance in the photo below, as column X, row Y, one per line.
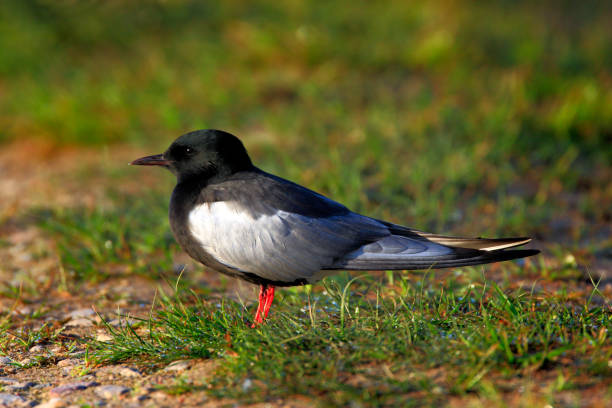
column 8, row 380
column 122, row 302
column 68, row 362
column 52, row 403
column 141, row 398
column 5, row 360
column 10, row 400
column 103, row 337
column 122, row 322
column 26, row 362
column 247, row 384
column 129, row 372
column 79, row 323
column 180, row 365
column 56, row 349
column 19, row 386
column 37, row 349
column 70, row 388
column 24, row 310
column 111, row 391
column 80, row 313
column 158, row 395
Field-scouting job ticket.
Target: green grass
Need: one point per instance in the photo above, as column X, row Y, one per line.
column 132, row 236
column 464, row 117
column 390, row 337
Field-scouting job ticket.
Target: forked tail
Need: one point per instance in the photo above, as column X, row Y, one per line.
column 412, row 249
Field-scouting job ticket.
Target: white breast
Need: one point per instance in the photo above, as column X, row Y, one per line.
column 265, row 246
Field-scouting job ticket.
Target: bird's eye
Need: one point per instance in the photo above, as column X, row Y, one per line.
column 179, row 152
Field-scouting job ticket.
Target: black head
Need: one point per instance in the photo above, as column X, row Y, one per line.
column 202, row 154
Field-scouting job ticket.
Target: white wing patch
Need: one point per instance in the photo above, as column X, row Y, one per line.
column 267, row 246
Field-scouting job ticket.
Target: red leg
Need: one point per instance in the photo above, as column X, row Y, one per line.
column 266, row 296
column 269, row 297
column 260, row 305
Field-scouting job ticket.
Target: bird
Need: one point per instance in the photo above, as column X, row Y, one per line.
column 241, row 221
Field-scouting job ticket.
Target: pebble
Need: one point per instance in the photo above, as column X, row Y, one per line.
column 129, row 372
column 180, row 365
column 122, row 302
column 26, row 361
column 10, row 400
column 141, row 398
column 103, row 337
column 111, row 391
column 122, row 322
column 52, row 403
column 37, row 349
column 68, row 362
column 80, row 313
column 24, row 310
column 19, row 386
column 56, row 349
column 5, row 360
column 158, row 395
column 122, row 371
column 70, row 388
column 79, row 323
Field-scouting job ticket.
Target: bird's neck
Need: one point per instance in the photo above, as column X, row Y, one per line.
column 189, row 188
column 183, row 199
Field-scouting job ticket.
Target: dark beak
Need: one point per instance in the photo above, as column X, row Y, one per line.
column 155, row 160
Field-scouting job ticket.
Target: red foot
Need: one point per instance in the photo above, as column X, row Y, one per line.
column 266, row 296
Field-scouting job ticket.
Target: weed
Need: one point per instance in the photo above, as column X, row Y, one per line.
column 320, row 341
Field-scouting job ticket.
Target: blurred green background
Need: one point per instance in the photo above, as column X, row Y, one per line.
column 463, row 116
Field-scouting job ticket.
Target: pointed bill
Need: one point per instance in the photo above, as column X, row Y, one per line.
column 155, row 160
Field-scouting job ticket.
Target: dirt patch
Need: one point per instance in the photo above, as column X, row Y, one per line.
column 54, row 367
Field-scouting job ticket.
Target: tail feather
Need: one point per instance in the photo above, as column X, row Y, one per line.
column 483, row 244
column 449, row 261
column 412, row 249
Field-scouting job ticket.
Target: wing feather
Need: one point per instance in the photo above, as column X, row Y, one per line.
column 282, row 246
column 282, row 232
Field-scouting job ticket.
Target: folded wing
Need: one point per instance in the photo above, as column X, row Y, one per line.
column 282, row 232
column 279, row 246
column 406, row 248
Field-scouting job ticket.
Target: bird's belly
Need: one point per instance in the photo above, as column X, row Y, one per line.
column 262, row 245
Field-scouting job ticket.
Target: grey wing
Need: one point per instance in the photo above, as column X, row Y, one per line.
column 287, row 247
column 279, row 246
column 406, row 248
